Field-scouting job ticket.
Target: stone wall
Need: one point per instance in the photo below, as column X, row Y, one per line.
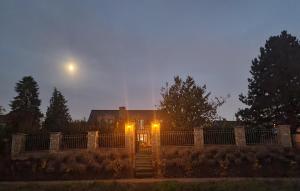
column 18, row 141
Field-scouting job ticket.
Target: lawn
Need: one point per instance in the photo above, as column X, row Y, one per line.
column 226, row 185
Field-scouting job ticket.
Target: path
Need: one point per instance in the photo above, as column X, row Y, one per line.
column 148, row 180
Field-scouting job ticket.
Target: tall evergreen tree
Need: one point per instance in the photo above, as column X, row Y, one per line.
column 187, row 105
column 2, row 110
column 274, row 88
column 57, row 116
column 25, row 113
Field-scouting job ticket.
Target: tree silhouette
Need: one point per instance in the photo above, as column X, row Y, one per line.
column 25, row 112
column 57, row 116
column 186, row 105
column 2, row 110
column 274, row 88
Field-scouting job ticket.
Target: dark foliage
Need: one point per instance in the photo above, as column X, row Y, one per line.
column 77, row 127
column 57, row 116
column 274, row 88
column 67, row 166
column 2, row 110
column 25, row 113
column 186, row 105
column 231, row 162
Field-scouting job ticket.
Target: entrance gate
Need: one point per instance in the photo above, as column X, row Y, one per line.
column 143, row 140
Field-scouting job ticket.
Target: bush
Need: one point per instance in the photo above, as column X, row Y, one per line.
column 74, row 165
column 231, row 162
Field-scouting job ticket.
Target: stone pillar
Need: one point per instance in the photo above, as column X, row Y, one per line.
column 92, row 140
column 198, row 138
column 239, row 134
column 130, row 143
column 284, row 136
column 155, row 141
column 18, row 144
column 55, row 140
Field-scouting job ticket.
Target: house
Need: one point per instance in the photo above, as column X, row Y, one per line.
column 116, row 119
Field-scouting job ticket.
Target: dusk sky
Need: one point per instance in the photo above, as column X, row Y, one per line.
column 125, row 51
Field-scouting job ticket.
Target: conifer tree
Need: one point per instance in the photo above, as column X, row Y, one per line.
column 274, row 87
column 2, row 110
column 57, row 116
column 25, row 113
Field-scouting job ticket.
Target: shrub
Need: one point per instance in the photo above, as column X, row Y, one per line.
column 231, row 162
column 68, row 165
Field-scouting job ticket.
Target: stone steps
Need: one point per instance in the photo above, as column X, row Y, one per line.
column 143, row 165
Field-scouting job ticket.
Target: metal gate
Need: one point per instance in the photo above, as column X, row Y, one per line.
column 143, row 140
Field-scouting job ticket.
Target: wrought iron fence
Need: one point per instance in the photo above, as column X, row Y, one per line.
column 77, row 141
column 179, row 138
column 112, row 140
column 219, row 136
column 259, row 136
column 37, row 142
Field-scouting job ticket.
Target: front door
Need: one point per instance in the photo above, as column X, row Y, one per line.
column 143, row 140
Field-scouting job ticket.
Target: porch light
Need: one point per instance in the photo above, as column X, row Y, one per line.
column 155, row 126
column 129, row 127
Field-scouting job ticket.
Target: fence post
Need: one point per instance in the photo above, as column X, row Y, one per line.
column 198, row 138
column 18, row 144
column 155, row 141
column 92, row 139
column 284, row 135
column 55, row 140
column 130, row 143
column 239, row 134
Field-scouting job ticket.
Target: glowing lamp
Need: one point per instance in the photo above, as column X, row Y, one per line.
column 129, row 127
column 155, row 126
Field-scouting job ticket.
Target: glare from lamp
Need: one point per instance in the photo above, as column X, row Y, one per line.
column 129, row 127
column 155, row 125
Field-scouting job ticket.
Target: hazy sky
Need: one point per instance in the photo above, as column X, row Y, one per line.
column 126, row 50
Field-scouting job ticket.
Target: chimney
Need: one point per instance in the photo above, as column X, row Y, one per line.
column 122, row 113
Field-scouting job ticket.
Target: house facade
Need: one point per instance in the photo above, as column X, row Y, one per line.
column 115, row 120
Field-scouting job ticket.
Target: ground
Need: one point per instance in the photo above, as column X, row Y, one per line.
column 211, row 184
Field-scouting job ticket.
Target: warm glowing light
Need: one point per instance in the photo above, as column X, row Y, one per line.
column 155, row 125
column 71, row 67
column 129, row 127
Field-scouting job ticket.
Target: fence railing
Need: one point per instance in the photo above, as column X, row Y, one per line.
column 259, row 136
column 112, row 140
column 198, row 138
column 179, row 138
column 77, row 141
column 219, row 136
column 37, row 142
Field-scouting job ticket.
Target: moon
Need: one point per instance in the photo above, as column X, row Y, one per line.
column 71, row 68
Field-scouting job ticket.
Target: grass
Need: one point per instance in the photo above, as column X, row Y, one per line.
column 242, row 185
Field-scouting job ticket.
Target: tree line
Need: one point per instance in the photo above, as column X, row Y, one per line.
column 25, row 115
column 273, row 96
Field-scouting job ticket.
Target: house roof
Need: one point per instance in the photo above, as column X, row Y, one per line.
column 131, row 114
column 146, row 115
